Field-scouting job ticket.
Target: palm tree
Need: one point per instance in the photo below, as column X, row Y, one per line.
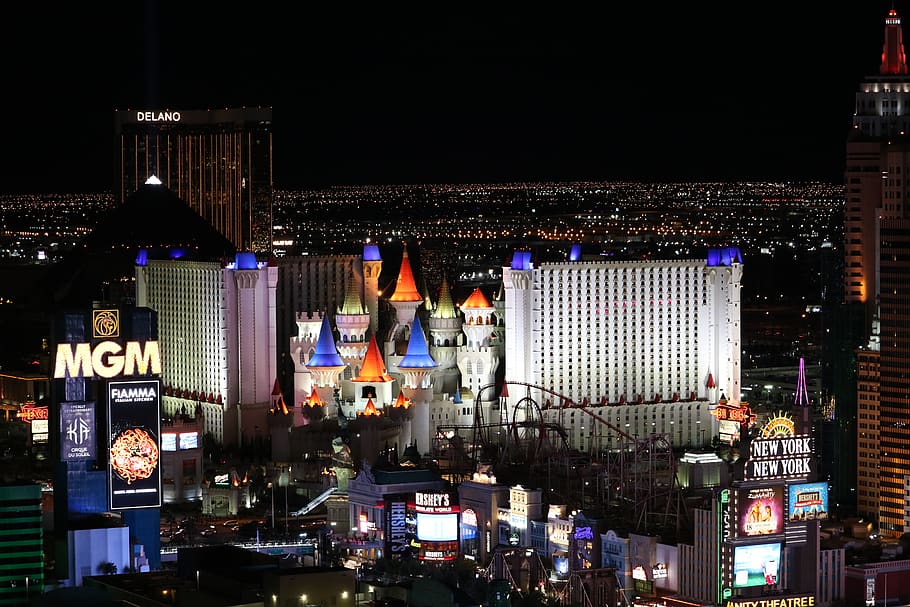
column 107, row 568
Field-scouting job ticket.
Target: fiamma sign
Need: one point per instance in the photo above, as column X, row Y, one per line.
column 107, row 359
column 157, row 116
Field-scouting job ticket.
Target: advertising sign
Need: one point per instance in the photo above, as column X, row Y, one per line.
column 808, row 501
column 756, row 565
column 189, row 440
column 780, row 457
column 437, row 527
column 761, row 511
column 169, row 443
column 785, row 600
column 134, row 428
column 397, row 542
column 77, row 431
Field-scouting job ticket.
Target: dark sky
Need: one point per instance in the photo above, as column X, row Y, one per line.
column 758, row 90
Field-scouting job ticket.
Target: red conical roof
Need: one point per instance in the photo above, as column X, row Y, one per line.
column 710, row 383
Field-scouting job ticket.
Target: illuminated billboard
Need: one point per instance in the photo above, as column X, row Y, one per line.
column 77, row 431
column 169, row 443
column 397, row 535
column 760, row 510
column 437, row 527
column 189, row 440
column 134, row 427
column 756, row 565
column 808, row 501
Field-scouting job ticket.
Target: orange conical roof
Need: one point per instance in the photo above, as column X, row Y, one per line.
column 406, row 289
column 373, row 369
column 370, row 409
column 476, row 300
column 401, row 401
column 313, row 399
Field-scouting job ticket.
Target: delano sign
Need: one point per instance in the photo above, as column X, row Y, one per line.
column 107, row 359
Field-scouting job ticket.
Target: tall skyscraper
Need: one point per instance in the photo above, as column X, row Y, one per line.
column 877, row 224
column 875, row 174
column 894, row 389
column 218, row 161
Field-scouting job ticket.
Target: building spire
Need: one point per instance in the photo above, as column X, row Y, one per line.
column 894, row 61
column 444, row 307
column 352, row 305
column 406, row 289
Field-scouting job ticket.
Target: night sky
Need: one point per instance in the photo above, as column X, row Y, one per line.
column 759, row 90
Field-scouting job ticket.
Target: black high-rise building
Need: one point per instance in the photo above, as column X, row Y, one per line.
column 218, row 161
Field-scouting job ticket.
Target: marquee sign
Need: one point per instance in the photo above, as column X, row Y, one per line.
column 800, row 600
column 780, row 457
column 107, row 359
column 31, row 412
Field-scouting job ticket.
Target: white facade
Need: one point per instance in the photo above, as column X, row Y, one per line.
column 216, row 330
column 87, row 549
column 624, row 331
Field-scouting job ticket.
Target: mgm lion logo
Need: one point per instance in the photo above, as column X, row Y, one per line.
column 105, row 323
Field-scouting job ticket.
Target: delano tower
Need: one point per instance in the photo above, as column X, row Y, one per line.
column 218, row 161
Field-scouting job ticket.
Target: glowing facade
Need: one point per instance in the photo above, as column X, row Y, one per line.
column 218, row 161
column 217, row 338
column 615, row 332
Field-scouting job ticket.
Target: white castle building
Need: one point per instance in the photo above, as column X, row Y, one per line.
column 647, row 346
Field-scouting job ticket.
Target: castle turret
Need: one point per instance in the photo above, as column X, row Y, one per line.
column 417, row 367
column 406, row 299
column 373, row 382
column 325, row 364
column 445, row 330
column 301, row 348
column 353, row 323
column 372, row 266
column 478, row 359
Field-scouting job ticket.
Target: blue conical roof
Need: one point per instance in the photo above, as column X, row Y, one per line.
column 326, row 354
column 417, row 356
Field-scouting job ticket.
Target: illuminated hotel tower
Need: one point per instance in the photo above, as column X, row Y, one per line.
column 218, row 161
column 894, row 381
column 877, row 224
column 216, row 324
column 646, row 330
column 877, row 162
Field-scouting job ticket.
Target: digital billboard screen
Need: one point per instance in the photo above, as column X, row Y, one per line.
column 437, row 527
column 761, row 511
column 808, row 501
column 189, row 440
column 134, row 428
column 756, row 565
column 77, row 431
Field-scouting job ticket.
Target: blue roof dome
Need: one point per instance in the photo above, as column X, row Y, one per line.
column 326, row 354
column 417, row 356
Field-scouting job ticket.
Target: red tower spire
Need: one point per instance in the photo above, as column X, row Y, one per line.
column 894, row 61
